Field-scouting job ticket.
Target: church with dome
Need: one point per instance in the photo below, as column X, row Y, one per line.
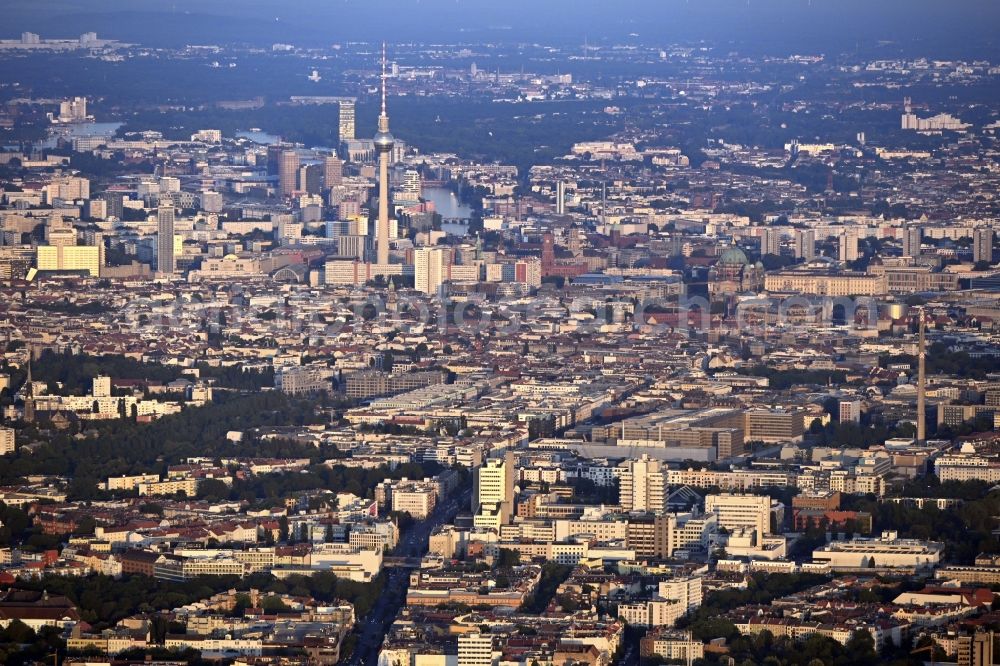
column 734, row 274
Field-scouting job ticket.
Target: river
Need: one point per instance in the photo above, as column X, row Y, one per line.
column 455, row 214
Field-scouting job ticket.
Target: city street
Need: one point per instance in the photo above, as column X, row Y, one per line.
column 371, row 629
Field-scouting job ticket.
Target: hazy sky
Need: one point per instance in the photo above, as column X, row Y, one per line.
column 759, row 25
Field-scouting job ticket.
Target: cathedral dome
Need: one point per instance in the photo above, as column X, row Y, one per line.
column 734, row 256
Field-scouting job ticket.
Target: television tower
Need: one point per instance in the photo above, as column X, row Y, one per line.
column 383, row 145
column 921, row 381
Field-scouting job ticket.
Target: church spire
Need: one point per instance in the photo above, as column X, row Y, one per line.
column 29, row 395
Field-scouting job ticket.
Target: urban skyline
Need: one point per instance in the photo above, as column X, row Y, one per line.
column 646, row 334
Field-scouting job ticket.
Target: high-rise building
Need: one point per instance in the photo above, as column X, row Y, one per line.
column 274, row 158
column 212, row 202
column 975, row 649
column 430, row 267
column 73, row 110
column 347, row 120
column 116, row 203
column 734, row 511
column 686, row 590
column 333, row 171
column 383, row 146
column 982, row 245
column 560, row 198
column 770, row 242
column 848, row 245
column 805, row 244
column 921, row 379
column 493, row 495
column 412, row 185
column 6, row 441
column 643, row 486
column 166, row 263
column 101, row 386
column 849, row 411
column 528, row 271
column 288, row 169
column 310, row 178
column 912, row 237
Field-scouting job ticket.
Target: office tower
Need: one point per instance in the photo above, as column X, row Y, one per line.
column 333, row 171
column 770, row 242
column 643, row 486
column 383, row 146
column 274, row 158
column 165, row 261
column 347, row 119
column 310, row 178
column 741, row 511
column 354, row 246
column 848, row 245
column 921, row 381
column 805, row 244
column 288, row 169
column 982, row 245
column 430, row 269
column 560, row 198
column 493, row 494
column 912, row 237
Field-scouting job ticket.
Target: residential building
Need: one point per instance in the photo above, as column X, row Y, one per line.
column 166, row 263
column 430, row 269
column 982, row 245
column 6, row 441
column 805, row 244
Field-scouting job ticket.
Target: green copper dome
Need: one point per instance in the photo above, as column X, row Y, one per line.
column 734, row 256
